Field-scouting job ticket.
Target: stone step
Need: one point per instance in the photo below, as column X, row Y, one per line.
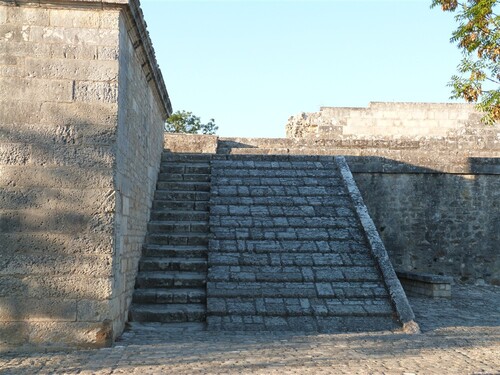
column 173, row 264
column 315, row 200
column 152, row 250
column 299, row 307
column 178, row 226
column 296, row 274
column 178, row 238
column 180, row 205
column 185, row 167
column 321, row 324
column 152, row 295
column 168, row 313
column 254, row 165
column 276, row 181
column 259, row 151
column 182, row 195
column 306, row 159
column 285, row 259
column 183, row 186
column 179, row 215
column 288, row 246
column 340, row 290
column 173, row 177
column 176, row 279
column 326, row 210
column 191, row 158
column 274, row 172
column 280, row 233
column 253, row 190
column 282, row 222
column 167, row 328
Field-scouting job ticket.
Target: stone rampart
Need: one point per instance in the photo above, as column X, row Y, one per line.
column 381, row 120
column 82, row 106
column 434, row 200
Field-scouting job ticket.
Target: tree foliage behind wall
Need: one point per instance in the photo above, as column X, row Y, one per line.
column 478, row 36
column 186, row 122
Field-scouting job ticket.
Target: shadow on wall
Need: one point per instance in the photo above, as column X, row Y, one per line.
column 57, row 208
column 435, row 222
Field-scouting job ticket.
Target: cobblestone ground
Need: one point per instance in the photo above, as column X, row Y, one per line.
column 460, row 336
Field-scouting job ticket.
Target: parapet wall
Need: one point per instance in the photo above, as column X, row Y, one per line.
column 389, row 120
column 82, row 108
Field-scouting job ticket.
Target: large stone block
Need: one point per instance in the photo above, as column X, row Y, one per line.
column 63, row 51
column 16, row 113
column 23, row 49
column 27, row 16
column 71, row 36
column 88, row 114
column 53, row 263
column 14, row 89
column 35, row 309
column 84, row 245
column 63, row 177
column 94, row 310
column 38, row 220
column 56, row 199
column 14, row 33
column 13, row 333
column 75, row 18
column 90, row 91
column 90, row 70
column 86, row 157
column 59, row 334
column 57, row 286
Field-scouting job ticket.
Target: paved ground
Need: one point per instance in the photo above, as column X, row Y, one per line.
column 460, row 336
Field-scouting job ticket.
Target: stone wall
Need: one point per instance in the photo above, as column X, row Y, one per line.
column 80, row 139
column 434, row 200
column 387, row 120
column 446, row 224
column 138, row 154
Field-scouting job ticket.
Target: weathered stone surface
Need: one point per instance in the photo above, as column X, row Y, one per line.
column 77, row 170
column 24, row 89
column 281, row 262
column 193, row 143
column 96, row 70
column 383, row 120
column 34, row 309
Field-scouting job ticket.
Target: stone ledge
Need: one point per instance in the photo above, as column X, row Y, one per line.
column 397, row 295
column 428, row 285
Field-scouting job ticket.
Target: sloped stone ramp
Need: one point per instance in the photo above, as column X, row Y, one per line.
column 293, row 248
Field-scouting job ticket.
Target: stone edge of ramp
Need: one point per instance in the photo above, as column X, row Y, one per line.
column 397, row 295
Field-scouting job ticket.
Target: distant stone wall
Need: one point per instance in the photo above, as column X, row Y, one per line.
column 387, row 120
column 82, row 105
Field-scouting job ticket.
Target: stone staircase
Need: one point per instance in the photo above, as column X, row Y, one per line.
column 265, row 242
column 288, row 251
column 171, row 283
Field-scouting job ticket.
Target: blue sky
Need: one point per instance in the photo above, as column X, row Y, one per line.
column 251, row 65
